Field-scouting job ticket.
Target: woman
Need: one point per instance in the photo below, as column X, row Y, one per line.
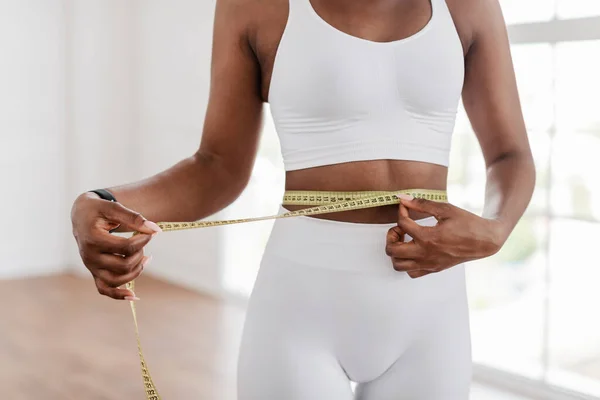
column 364, row 97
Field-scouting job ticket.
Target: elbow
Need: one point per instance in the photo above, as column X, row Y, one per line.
column 521, row 162
column 238, row 184
column 528, row 165
column 520, row 154
column 223, row 182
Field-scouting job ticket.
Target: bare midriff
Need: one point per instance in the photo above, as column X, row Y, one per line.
column 367, row 176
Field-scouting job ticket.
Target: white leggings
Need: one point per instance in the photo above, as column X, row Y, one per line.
column 328, row 308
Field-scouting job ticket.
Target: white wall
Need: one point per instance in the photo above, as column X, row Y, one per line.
column 68, row 121
column 102, row 93
column 32, row 137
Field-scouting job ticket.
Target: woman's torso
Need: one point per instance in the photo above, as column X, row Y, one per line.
column 375, row 24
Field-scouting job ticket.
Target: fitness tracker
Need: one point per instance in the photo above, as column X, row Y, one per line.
column 104, row 194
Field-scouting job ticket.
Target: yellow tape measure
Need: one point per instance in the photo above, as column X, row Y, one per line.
column 322, row 202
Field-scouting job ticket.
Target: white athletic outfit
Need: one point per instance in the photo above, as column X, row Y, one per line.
column 327, row 307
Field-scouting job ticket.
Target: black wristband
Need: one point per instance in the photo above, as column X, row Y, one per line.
column 104, row 194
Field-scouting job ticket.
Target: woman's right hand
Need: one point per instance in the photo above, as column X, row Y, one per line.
column 112, row 260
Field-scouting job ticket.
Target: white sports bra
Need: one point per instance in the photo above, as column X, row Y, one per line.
column 338, row 98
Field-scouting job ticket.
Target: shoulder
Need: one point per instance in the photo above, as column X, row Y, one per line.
column 252, row 12
column 265, row 14
column 234, row 12
column 239, row 20
column 265, row 20
column 472, row 17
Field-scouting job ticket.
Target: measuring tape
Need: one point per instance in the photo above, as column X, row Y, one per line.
column 322, row 202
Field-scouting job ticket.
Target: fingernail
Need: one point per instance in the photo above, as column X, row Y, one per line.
column 131, row 298
column 146, row 261
column 405, row 196
column 152, row 226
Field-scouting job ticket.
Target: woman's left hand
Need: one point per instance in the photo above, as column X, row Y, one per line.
column 459, row 236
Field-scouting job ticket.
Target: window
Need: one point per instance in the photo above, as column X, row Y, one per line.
column 519, row 11
column 566, row 9
column 528, row 11
column 533, row 305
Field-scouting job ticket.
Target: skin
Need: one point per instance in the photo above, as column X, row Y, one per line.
column 246, row 37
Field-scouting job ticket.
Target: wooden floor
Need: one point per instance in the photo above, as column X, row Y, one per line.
column 60, row 340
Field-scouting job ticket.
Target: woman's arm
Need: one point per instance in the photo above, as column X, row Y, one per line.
column 492, row 103
column 217, row 173
column 196, row 187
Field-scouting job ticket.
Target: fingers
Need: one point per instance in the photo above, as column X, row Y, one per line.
column 111, row 244
column 419, row 274
column 434, row 208
column 115, row 280
column 117, row 254
column 404, row 265
column 411, row 227
column 402, row 211
column 114, row 261
column 108, row 283
column 394, row 235
column 408, row 256
column 404, row 250
column 113, row 293
column 131, row 220
column 411, row 267
column 395, row 238
column 117, row 264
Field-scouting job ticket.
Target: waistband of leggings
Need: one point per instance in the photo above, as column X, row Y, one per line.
column 315, row 242
column 351, row 231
